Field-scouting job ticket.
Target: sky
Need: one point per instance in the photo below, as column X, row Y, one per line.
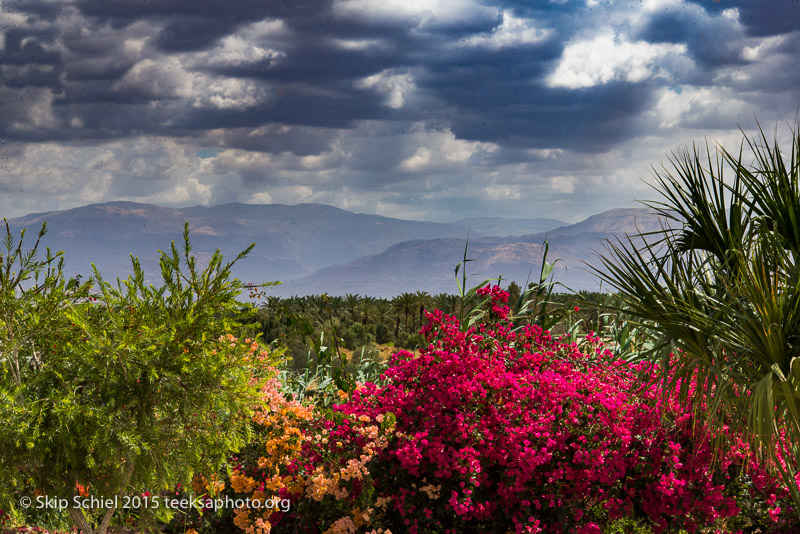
column 420, row 109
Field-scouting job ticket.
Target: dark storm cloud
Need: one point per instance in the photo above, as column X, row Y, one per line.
column 43, row 10
column 27, row 48
column 315, row 83
column 482, row 94
column 712, row 41
column 534, row 117
column 500, row 96
column 193, row 25
column 178, row 81
column 318, row 63
column 377, row 104
column 293, row 108
column 762, row 18
column 230, row 9
column 193, row 33
column 274, row 138
column 101, row 70
column 31, row 76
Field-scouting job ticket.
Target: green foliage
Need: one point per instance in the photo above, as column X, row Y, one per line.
column 721, row 290
column 471, row 309
column 358, row 335
column 410, row 341
column 514, row 292
column 130, row 388
column 321, row 379
column 535, row 303
column 33, row 294
column 383, row 333
column 605, row 315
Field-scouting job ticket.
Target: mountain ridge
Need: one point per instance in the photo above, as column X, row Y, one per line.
column 316, row 248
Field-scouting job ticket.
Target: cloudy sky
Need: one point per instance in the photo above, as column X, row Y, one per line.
column 421, row 109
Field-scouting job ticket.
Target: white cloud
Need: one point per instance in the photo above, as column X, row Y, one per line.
column 242, row 48
column 440, row 151
column 15, row 20
column 319, row 161
column 696, row 105
column 563, row 184
column 144, row 169
column 607, row 58
column 393, row 85
column 419, row 161
column 242, row 161
column 175, row 76
column 227, row 93
column 659, row 5
column 756, row 52
column 294, row 194
column 356, row 44
column 417, row 11
column 186, row 75
column 163, row 78
column 671, row 107
column 252, row 43
column 731, row 13
column 511, row 32
column 544, row 153
column 502, row 192
column 260, row 198
column 188, row 191
column 134, row 47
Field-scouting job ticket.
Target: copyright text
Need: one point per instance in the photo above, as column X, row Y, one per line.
column 153, row 502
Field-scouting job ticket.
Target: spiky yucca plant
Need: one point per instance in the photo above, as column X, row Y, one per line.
column 721, row 285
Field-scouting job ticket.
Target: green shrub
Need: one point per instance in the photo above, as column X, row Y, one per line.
column 113, row 390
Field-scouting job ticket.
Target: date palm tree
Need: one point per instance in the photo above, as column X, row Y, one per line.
column 351, row 303
column 405, row 304
column 720, row 288
column 335, row 305
column 367, row 308
column 445, row 302
column 423, row 300
column 382, row 309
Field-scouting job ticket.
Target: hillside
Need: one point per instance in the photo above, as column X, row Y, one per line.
column 428, row 265
column 315, row 248
column 291, row 241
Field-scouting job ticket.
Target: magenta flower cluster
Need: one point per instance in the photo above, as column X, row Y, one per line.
column 501, row 429
column 513, row 431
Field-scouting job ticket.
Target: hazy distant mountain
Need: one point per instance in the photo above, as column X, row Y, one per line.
column 500, row 226
column 291, row 241
column 315, row 248
column 426, row 265
column 619, row 221
column 429, row 265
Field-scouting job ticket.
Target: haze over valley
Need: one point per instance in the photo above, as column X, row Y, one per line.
column 314, row 248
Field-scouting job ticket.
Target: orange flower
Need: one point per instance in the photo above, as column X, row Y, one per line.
column 83, row 490
column 241, row 483
column 199, row 483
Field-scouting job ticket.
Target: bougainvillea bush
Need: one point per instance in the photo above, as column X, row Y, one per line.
column 496, row 430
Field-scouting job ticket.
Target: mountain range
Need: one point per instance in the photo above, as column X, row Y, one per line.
column 314, row 248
